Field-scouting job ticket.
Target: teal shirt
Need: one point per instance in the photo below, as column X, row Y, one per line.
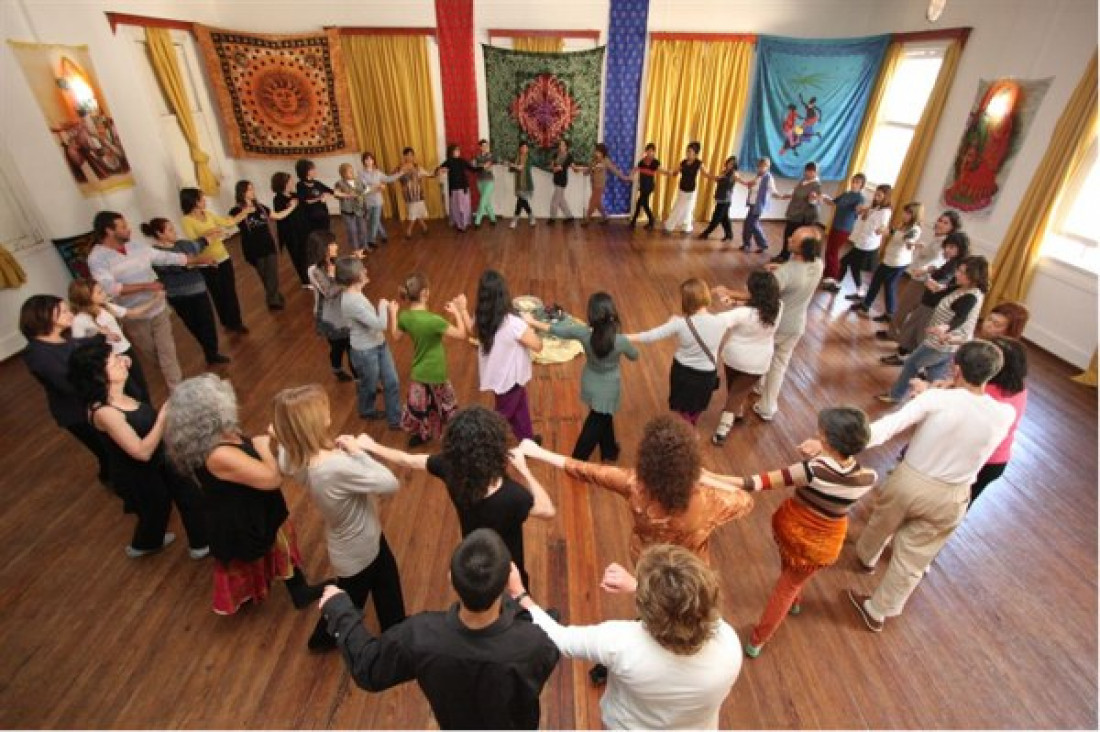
column 601, row 382
column 426, row 330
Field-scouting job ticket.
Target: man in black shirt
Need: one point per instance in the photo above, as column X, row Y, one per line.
column 481, row 664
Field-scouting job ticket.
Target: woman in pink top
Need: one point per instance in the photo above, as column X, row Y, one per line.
column 504, row 352
column 1006, row 387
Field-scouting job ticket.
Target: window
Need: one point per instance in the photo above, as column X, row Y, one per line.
column 174, row 142
column 1073, row 236
column 901, row 110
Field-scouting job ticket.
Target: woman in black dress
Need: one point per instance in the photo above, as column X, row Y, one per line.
column 292, row 230
column 251, row 536
column 131, row 432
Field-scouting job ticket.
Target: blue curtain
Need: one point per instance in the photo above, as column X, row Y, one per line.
column 626, row 45
column 808, row 101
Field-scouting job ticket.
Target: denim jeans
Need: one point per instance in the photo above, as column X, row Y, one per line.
column 925, row 357
column 374, row 223
column 885, row 277
column 356, row 228
column 373, row 364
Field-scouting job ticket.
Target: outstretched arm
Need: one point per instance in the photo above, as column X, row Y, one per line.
column 391, row 455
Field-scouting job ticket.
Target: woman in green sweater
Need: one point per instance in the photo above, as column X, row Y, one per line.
column 601, row 382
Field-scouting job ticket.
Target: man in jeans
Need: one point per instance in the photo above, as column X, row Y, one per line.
column 481, row 664
column 124, row 270
column 926, row 496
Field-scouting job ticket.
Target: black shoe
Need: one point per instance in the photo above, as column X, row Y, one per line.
column 342, row 375
column 417, row 441
column 881, row 319
column 892, row 360
column 217, row 358
column 568, row 220
column 320, row 641
column 855, row 296
column 537, row 439
column 704, row 236
column 598, row 674
column 649, row 226
column 831, row 288
column 302, row 594
column 551, row 222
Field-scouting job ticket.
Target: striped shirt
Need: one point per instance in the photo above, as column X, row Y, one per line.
column 822, row 484
column 959, row 311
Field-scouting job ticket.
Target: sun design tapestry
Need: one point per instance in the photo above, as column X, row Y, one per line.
column 808, row 101
column 995, row 130
column 279, row 95
column 541, row 98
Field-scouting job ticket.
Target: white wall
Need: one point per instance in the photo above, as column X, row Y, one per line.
column 1010, row 37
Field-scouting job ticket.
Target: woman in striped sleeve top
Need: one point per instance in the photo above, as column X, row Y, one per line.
column 810, row 526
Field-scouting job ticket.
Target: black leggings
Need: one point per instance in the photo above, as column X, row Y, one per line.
column 989, row 473
column 643, row 205
column 721, row 216
column 381, row 578
column 338, row 348
column 522, row 206
column 90, row 437
column 598, row 429
column 153, row 500
column 223, row 291
column 198, row 318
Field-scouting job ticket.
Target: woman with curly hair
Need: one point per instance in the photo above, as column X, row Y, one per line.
column 672, row 498
column 342, row 482
column 131, row 432
column 251, row 536
column 810, row 526
column 673, row 666
column 473, row 465
column 504, row 353
column 748, row 345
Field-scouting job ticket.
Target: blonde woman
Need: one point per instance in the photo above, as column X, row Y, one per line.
column 672, row 667
column 342, row 481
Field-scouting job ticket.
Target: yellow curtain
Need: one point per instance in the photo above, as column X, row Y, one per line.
column 905, row 187
column 696, row 90
column 539, row 44
column 393, row 108
column 874, row 106
column 1088, row 378
column 1014, row 267
column 11, row 272
column 166, row 66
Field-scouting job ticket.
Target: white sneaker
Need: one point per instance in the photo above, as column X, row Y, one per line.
column 532, row 221
column 133, row 553
column 201, row 553
column 761, row 413
column 513, row 224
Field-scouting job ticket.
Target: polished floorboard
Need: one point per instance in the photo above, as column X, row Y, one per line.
column 1001, row 634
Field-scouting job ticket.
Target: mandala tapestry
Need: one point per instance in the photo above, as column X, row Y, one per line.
column 280, row 96
column 542, row 98
column 808, row 101
column 995, row 130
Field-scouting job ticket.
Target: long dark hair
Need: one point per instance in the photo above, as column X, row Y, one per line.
column 88, row 371
column 239, row 191
column 764, row 296
column 604, row 320
column 475, row 448
column 493, row 304
column 1014, row 370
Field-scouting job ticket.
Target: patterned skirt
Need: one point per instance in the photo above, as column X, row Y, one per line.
column 429, row 409
column 239, row 581
column 806, row 539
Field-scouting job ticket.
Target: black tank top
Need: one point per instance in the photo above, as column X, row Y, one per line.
column 688, row 174
column 243, row 521
column 126, row 470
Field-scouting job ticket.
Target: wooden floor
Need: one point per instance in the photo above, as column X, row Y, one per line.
column 1001, row 634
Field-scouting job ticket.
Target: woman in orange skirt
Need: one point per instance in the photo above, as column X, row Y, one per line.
column 810, row 526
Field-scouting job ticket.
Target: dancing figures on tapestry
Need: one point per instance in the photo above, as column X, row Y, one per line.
column 808, row 101
column 542, row 98
column 279, row 95
column 995, row 130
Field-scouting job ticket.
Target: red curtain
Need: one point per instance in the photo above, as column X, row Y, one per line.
column 454, row 21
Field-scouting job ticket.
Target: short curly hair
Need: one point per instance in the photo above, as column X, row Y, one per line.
column 201, row 410
column 678, row 598
column 669, row 464
column 475, row 448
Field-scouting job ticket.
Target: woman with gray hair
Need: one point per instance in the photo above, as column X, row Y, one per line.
column 810, row 526
column 251, row 536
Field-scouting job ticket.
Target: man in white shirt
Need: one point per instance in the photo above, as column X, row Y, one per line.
column 926, row 497
column 124, row 270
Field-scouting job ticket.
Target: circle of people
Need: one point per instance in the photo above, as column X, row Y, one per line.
column 483, row 662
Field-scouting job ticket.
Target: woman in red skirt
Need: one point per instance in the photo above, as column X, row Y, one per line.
column 251, row 536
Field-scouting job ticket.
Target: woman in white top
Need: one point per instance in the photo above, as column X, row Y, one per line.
column 674, row 666
column 747, row 347
column 94, row 314
column 694, row 375
column 506, row 343
column 895, row 260
column 342, row 481
column 872, row 222
column 927, row 257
